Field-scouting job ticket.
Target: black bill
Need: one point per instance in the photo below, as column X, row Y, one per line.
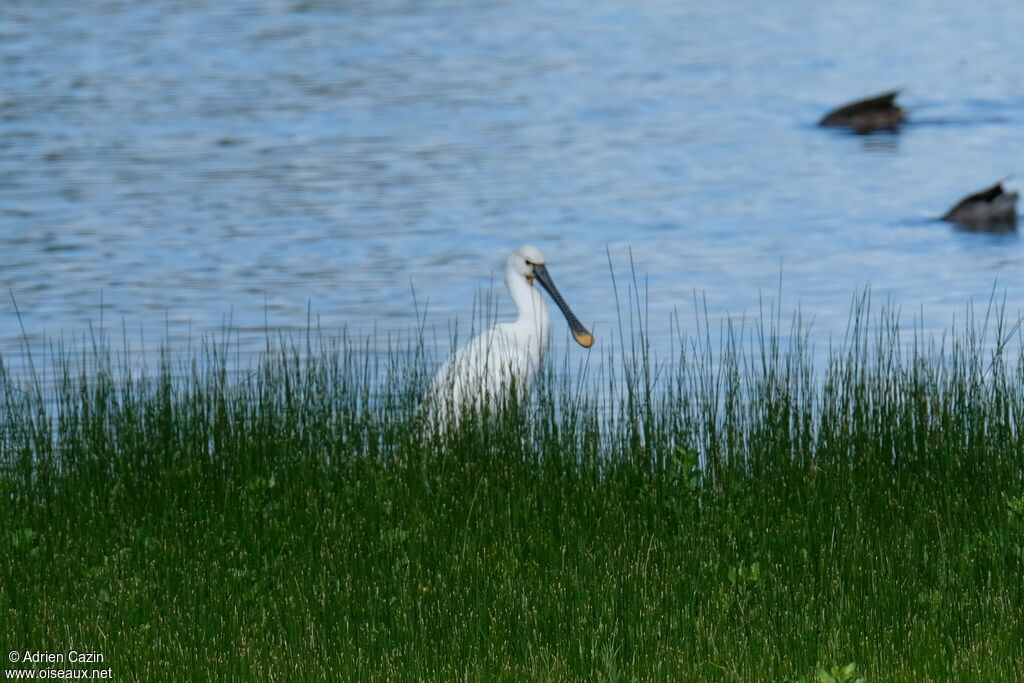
column 579, row 332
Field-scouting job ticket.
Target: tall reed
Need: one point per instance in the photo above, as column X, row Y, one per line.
column 739, row 510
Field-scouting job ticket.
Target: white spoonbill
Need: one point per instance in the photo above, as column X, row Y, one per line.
column 484, row 369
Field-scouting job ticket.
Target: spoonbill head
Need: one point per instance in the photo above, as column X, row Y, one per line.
column 507, row 355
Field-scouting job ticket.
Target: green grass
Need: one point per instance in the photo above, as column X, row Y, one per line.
column 737, row 514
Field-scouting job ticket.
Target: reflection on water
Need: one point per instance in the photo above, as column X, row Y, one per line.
column 176, row 166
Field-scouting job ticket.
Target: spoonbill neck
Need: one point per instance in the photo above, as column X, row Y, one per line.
column 529, row 303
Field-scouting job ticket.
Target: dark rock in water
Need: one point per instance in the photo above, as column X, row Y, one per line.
column 991, row 210
column 869, row 115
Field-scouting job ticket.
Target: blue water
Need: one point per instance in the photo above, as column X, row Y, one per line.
column 171, row 168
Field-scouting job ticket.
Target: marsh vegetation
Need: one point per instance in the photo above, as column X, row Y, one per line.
column 737, row 512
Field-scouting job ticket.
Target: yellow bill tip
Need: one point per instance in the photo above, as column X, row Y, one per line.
column 584, row 339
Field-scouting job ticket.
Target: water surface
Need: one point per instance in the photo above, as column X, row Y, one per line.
column 172, row 168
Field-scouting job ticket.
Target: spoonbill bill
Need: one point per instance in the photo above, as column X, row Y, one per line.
column 485, row 370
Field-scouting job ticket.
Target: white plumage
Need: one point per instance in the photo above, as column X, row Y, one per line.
column 507, row 354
